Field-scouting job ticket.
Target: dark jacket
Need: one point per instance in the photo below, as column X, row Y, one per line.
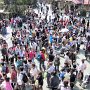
column 55, row 81
column 51, row 57
column 40, row 80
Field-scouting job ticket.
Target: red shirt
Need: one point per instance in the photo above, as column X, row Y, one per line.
column 31, row 55
column 43, row 56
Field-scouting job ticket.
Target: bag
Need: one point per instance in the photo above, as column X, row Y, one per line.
column 39, row 57
column 36, row 83
column 62, row 75
column 19, row 63
column 3, row 69
column 25, row 78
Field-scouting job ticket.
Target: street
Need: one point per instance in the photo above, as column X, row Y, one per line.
column 80, row 55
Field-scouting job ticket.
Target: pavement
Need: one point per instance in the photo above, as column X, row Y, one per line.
column 80, row 56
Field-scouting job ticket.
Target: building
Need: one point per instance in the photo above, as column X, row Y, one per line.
column 80, row 5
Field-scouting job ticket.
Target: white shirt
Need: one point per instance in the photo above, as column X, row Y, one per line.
column 17, row 50
column 21, row 53
column 63, row 39
column 34, row 45
column 82, row 67
column 19, row 78
column 67, row 58
column 79, row 40
column 61, row 87
column 29, row 65
column 65, row 88
column 81, row 28
column 34, row 72
column 2, row 86
column 67, row 76
column 51, row 69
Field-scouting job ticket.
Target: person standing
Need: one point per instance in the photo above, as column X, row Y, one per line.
column 87, row 25
column 72, row 79
column 13, row 76
column 6, row 84
column 54, row 81
column 57, row 63
column 51, row 56
column 34, row 73
column 40, row 81
column 64, row 86
column 82, row 67
column 42, row 59
column 50, row 70
column 83, row 21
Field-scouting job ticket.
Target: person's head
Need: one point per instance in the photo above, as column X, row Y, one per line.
column 66, row 64
column 72, row 70
column 43, row 49
column 65, row 83
column 54, row 73
column 25, row 62
column 51, row 51
column 74, row 66
column 33, row 65
column 67, row 53
column 62, row 70
column 2, row 64
column 68, row 70
column 30, row 61
column 83, row 60
column 13, row 67
column 4, row 75
column 40, row 74
column 7, row 79
column 57, row 57
column 21, row 68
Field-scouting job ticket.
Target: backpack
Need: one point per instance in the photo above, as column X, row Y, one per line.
column 39, row 57
column 25, row 78
column 19, row 63
column 62, row 75
column 3, row 69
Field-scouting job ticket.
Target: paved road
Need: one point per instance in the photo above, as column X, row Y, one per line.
column 79, row 57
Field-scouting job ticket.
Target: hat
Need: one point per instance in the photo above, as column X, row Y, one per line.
column 43, row 48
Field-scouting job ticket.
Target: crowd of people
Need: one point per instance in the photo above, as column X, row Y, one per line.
column 37, row 47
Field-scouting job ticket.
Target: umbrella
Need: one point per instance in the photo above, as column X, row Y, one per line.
column 64, row 30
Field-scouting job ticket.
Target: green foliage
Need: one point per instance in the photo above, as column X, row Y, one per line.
column 83, row 13
column 21, row 2
column 19, row 6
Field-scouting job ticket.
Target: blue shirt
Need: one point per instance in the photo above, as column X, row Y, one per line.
column 51, row 39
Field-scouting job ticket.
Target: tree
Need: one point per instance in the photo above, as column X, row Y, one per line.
column 19, row 6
